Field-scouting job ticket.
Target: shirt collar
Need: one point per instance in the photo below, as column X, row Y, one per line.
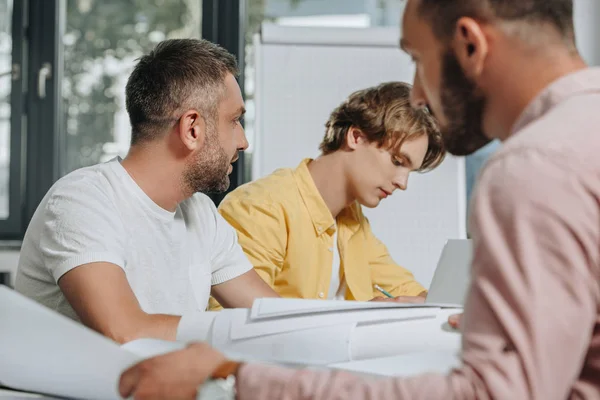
column 319, row 212
column 574, row 84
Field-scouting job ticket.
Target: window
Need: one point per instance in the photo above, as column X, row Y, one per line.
column 63, row 70
column 12, row 46
column 6, row 75
column 101, row 43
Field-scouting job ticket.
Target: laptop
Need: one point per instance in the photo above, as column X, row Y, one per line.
column 453, row 273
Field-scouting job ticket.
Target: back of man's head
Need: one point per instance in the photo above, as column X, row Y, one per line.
column 178, row 75
column 558, row 14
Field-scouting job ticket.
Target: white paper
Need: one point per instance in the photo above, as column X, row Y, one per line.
column 195, row 326
column 405, row 365
column 318, row 346
column 42, row 351
column 343, row 337
column 392, row 338
column 147, row 348
column 275, row 307
column 15, row 395
column 242, row 326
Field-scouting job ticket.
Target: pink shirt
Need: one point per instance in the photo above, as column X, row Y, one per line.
column 531, row 324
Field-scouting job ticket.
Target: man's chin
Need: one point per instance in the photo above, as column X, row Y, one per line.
column 217, row 188
column 369, row 203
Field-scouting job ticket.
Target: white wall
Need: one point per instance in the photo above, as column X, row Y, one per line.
column 587, row 29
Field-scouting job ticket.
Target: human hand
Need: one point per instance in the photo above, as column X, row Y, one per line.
column 175, row 375
column 454, row 320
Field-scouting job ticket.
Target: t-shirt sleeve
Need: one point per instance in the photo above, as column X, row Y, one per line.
column 81, row 225
column 228, row 259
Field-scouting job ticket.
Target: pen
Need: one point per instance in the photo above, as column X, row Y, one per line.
column 383, row 291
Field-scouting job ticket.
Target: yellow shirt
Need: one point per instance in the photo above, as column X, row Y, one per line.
column 287, row 230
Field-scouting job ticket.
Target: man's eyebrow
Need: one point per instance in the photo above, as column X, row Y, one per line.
column 408, row 159
column 241, row 111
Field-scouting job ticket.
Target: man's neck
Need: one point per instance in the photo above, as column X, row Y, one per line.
column 158, row 176
column 530, row 76
column 328, row 175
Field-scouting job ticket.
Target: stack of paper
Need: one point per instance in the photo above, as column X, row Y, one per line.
column 44, row 352
column 316, row 332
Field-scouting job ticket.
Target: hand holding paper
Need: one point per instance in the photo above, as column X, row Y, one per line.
column 176, row 375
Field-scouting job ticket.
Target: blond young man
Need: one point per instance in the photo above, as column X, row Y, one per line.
column 303, row 229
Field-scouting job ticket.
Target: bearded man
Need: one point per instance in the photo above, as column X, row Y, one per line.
column 130, row 246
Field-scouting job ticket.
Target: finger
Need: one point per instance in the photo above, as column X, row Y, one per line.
column 454, row 320
column 129, row 380
column 409, row 299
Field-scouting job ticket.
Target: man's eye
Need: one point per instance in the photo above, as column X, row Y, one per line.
column 397, row 162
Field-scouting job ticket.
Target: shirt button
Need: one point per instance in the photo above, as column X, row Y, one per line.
column 330, row 249
column 320, row 230
column 321, row 295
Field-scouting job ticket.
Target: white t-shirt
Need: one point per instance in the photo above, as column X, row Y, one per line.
column 99, row 214
column 337, row 288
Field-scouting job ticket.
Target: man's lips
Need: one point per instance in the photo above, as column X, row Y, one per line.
column 385, row 192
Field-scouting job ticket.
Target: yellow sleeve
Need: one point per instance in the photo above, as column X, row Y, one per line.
column 261, row 232
column 395, row 279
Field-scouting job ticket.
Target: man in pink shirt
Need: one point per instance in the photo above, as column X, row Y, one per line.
column 505, row 69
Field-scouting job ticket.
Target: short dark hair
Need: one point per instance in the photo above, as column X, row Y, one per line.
column 385, row 116
column 443, row 14
column 177, row 75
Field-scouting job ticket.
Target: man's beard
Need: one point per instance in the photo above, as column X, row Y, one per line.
column 207, row 173
column 463, row 107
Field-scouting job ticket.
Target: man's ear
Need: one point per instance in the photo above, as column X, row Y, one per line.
column 192, row 130
column 471, row 46
column 354, row 138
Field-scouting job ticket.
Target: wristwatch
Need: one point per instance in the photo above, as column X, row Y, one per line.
column 221, row 385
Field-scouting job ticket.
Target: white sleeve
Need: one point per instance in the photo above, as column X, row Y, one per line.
column 228, row 260
column 80, row 225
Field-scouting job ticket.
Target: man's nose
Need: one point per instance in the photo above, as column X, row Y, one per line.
column 417, row 96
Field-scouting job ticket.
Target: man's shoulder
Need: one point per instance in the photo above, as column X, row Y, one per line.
column 278, row 187
column 80, row 195
column 87, row 181
column 566, row 136
column 529, row 171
